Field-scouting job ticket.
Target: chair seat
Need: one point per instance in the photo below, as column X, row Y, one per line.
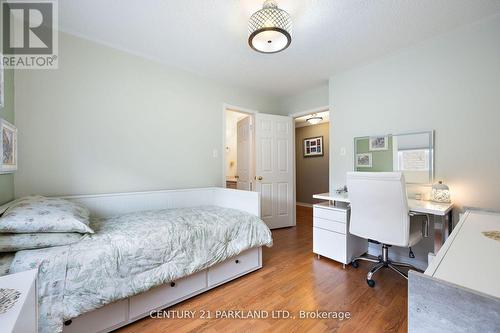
column 415, row 232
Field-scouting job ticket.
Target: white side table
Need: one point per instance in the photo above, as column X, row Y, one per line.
column 23, row 316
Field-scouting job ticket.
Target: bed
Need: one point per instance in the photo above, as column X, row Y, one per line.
column 150, row 250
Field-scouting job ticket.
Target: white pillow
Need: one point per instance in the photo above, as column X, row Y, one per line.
column 40, row 214
column 18, row 242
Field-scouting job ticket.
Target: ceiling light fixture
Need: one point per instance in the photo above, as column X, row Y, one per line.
column 269, row 29
column 315, row 119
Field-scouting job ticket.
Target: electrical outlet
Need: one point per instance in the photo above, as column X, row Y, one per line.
column 342, row 151
column 215, row 153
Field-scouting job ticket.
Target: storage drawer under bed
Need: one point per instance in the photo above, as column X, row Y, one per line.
column 233, row 267
column 109, row 316
column 128, row 310
column 167, row 294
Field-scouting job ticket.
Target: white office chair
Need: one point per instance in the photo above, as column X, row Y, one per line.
column 379, row 212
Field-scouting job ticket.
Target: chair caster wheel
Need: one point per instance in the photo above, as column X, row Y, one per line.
column 371, row 283
column 355, row 264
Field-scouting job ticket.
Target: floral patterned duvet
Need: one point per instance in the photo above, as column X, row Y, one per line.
column 132, row 253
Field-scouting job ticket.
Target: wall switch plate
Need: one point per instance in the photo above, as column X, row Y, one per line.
column 215, row 153
column 342, row 151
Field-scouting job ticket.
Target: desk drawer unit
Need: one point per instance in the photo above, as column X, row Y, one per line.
column 331, row 236
column 339, row 215
column 329, row 244
column 339, row 227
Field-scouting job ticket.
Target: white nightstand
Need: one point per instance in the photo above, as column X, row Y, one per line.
column 331, row 236
column 23, row 316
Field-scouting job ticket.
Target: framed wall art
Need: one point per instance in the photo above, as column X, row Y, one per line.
column 8, row 147
column 364, row 160
column 313, row 146
column 378, row 143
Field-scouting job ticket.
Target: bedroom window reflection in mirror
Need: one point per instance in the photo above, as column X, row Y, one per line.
column 411, row 153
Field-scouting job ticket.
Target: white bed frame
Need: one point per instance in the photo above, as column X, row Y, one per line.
column 123, row 312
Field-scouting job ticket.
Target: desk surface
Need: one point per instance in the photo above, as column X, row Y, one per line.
column 469, row 258
column 417, row 206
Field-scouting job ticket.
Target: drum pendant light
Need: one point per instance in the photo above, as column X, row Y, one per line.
column 270, row 29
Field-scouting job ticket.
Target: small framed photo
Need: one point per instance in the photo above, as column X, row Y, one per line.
column 364, row 160
column 8, row 147
column 313, row 146
column 378, row 143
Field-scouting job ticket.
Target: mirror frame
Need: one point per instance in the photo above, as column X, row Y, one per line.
column 431, row 155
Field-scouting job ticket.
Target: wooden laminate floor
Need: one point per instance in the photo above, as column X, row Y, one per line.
column 293, row 279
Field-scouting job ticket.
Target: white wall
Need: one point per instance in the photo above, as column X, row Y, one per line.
column 107, row 121
column 450, row 84
column 313, row 98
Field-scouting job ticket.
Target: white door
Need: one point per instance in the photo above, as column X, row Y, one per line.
column 274, row 168
column 243, row 151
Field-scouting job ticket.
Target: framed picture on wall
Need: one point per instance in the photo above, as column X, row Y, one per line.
column 378, row 143
column 364, row 160
column 8, row 147
column 313, row 146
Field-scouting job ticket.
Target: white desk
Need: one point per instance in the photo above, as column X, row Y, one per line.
column 417, row 206
column 443, row 210
column 469, row 258
column 459, row 291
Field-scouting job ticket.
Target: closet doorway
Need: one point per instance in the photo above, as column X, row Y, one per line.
column 312, row 143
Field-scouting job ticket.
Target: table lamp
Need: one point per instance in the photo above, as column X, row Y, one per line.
column 440, row 192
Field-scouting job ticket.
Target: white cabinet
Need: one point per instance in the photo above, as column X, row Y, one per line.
column 331, row 236
column 23, row 316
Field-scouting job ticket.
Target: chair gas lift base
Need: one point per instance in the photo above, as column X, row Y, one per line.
column 383, row 261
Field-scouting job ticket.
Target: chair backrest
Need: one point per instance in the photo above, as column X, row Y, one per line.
column 379, row 207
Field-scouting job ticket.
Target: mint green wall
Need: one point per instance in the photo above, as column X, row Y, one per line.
column 449, row 84
column 108, row 121
column 381, row 159
column 7, row 113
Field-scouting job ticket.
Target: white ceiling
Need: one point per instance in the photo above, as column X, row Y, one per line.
column 209, row 37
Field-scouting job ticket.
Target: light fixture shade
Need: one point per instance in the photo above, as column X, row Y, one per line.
column 440, row 192
column 314, row 119
column 270, row 29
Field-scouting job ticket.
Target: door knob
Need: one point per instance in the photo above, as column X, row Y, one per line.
column 259, row 178
column 237, row 177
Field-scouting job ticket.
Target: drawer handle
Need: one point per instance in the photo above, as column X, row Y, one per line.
column 68, row 322
column 172, row 284
column 237, row 261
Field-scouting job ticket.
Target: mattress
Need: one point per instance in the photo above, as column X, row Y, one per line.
column 132, row 253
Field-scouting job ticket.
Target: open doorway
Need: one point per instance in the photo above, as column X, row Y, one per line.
column 258, row 156
column 238, row 150
column 312, row 141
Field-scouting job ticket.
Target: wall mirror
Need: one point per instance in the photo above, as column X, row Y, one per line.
column 410, row 153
